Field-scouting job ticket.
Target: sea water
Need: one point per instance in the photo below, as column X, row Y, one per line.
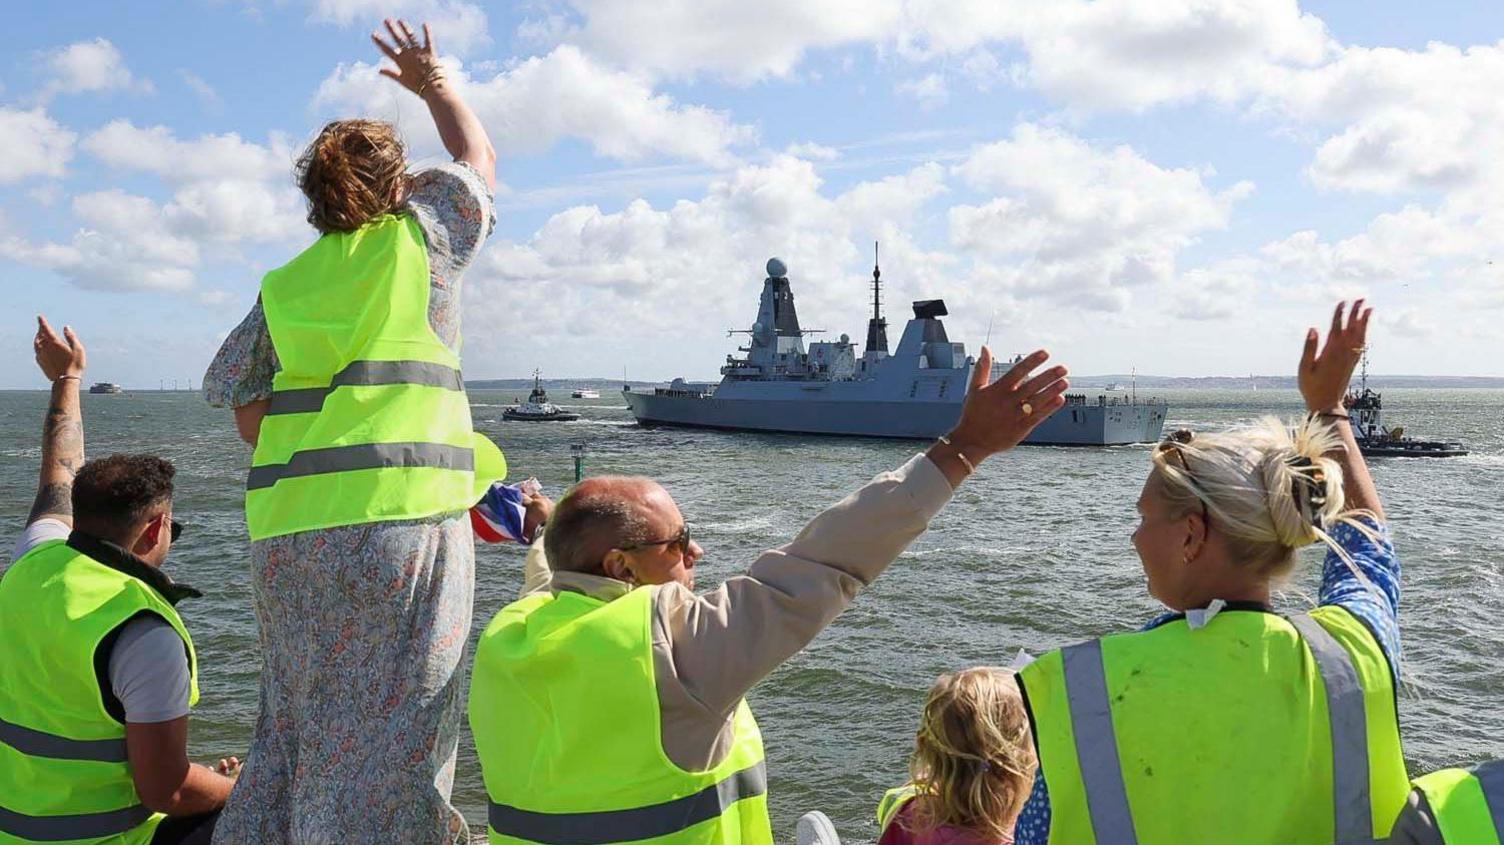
column 1033, row 552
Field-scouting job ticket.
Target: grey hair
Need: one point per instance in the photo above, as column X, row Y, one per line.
column 587, row 524
column 1271, row 488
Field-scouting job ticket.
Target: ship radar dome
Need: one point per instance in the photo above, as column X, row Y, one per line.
column 845, row 338
column 777, row 269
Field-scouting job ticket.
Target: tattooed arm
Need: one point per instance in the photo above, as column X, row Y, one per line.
column 62, row 360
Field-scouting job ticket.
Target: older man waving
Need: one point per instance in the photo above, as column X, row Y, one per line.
column 607, row 702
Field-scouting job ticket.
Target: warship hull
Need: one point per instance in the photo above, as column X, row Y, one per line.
column 1086, row 424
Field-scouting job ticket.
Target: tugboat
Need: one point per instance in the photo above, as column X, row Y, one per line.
column 537, row 408
column 106, row 387
column 1366, row 408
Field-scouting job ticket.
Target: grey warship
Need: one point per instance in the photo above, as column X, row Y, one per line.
column 915, row 392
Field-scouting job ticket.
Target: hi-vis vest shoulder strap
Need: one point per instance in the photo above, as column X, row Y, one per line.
column 892, row 803
column 1465, row 807
column 368, row 418
column 64, row 775
column 1130, row 726
column 564, row 709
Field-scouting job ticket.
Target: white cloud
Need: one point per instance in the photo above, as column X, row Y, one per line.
column 929, row 90
column 157, row 149
column 1074, row 222
column 225, row 192
column 610, row 277
column 125, row 244
column 34, row 144
column 457, row 27
column 812, row 151
column 199, row 86
column 87, row 66
column 533, row 104
column 736, row 40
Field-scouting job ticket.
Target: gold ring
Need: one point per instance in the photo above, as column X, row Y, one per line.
column 1026, row 408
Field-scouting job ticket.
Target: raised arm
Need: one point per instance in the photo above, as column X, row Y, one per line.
column 62, row 361
column 418, row 70
column 727, row 640
column 1323, row 382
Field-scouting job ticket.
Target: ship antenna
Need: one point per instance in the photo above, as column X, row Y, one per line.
column 989, row 327
column 877, row 285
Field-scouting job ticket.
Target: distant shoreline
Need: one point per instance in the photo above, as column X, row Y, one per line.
column 1124, row 382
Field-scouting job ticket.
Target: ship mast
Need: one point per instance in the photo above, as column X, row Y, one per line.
column 877, row 327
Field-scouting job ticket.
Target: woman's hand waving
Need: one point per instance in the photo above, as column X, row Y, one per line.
column 998, row 415
column 417, row 63
column 1324, row 378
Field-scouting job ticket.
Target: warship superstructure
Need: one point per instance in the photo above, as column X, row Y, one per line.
column 780, row 384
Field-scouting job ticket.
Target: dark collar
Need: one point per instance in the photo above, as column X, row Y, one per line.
column 122, row 561
column 1253, row 606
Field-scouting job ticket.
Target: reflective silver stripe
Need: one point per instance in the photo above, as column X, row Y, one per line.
column 34, row 743
column 1353, row 804
column 1097, row 745
column 311, row 399
column 65, row 828
column 629, row 825
column 1491, row 776
column 363, row 456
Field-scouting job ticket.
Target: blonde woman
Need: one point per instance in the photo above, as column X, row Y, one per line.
column 972, row 766
column 1222, row 720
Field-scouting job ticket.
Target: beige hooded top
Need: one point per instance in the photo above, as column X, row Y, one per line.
column 710, row 649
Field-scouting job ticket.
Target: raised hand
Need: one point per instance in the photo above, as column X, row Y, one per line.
column 58, row 356
column 998, row 415
column 417, row 63
column 1324, row 378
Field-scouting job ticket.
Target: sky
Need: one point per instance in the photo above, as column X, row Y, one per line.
column 1174, row 186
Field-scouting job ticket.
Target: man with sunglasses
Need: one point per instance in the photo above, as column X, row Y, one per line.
column 97, row 671
column 607, row 703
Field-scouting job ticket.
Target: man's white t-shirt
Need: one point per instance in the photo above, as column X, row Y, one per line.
column 148, row 666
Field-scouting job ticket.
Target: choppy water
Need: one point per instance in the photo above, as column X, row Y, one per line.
column 1032, row 553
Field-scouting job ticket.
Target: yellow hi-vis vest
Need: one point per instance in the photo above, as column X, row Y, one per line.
column 1253, row 729
column 564, row 708
column 1464, row 807
column 892, row 802
column 368, row 420
column 64, row 775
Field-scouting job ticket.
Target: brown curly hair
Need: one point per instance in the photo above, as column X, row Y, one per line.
column 353, row 171
column 974, row 761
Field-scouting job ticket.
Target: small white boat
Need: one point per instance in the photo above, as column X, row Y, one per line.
column 585, row 393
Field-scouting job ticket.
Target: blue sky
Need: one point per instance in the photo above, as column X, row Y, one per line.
column 1177, row 185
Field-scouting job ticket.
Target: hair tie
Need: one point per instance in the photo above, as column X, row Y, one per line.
column 1311, row 476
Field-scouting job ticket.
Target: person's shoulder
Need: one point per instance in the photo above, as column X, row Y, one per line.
column 39, row 531
column 432, row 185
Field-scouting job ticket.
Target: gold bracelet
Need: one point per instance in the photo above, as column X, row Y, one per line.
column 65, row 378
column 970, row 467
column 434, row 76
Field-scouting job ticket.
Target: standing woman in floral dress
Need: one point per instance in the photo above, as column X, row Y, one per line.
column 345, row 376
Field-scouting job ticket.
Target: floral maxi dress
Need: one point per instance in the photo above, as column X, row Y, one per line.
column 361, row 627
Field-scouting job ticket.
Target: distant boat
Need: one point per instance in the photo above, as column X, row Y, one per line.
column 537, row 408
column 1112, row 385
column 585, row 393
column 106, row 387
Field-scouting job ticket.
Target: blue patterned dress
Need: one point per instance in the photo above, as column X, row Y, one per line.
column 361, row 627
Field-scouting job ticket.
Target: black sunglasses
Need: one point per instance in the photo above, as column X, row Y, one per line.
column 177, row 530
column 681, row 540
column 1171, row 445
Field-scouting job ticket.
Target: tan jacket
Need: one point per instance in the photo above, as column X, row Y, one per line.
column 709, row 650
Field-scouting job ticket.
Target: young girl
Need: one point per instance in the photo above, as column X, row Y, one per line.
column 972, row 767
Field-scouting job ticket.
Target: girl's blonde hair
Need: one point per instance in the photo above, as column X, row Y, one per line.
column 1270, row 489
column 973, row 763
